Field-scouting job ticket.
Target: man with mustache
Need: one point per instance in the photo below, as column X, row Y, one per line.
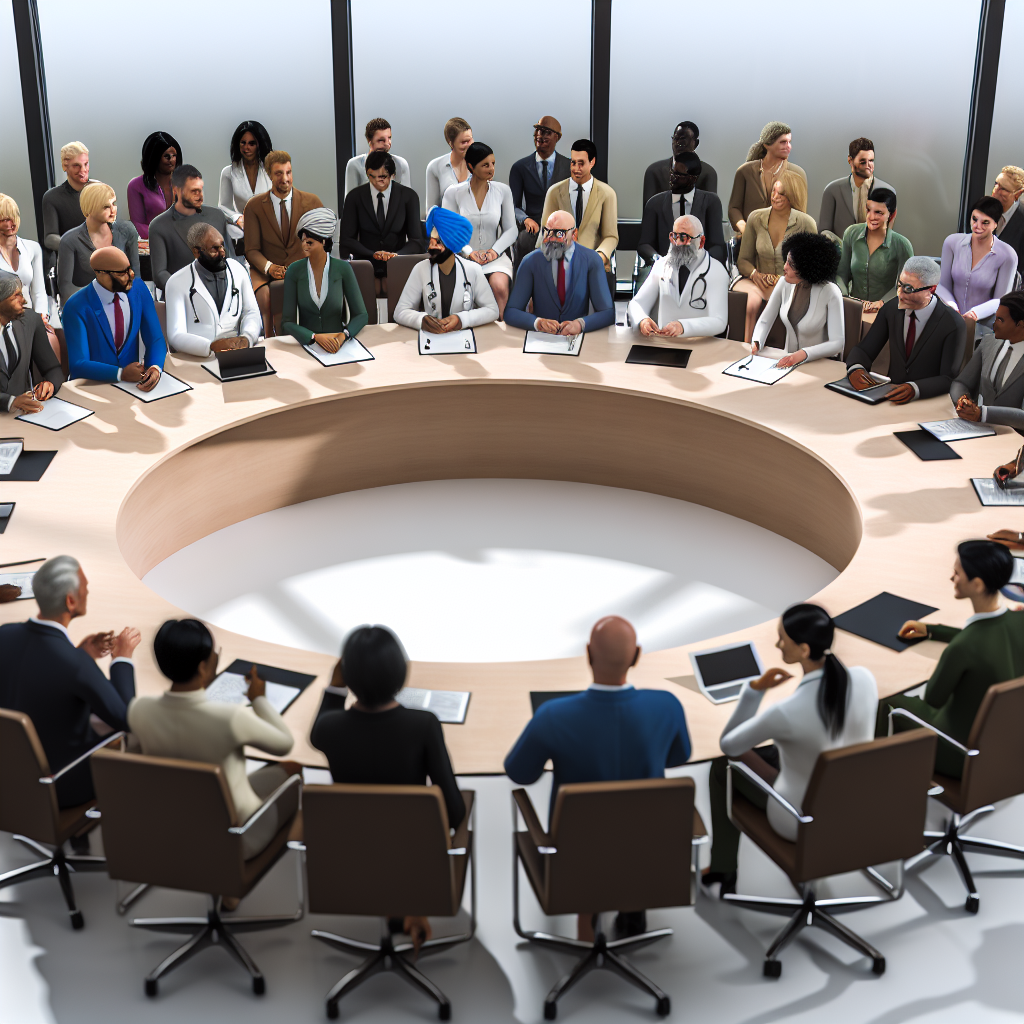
column 25, row 353
column 690, row 288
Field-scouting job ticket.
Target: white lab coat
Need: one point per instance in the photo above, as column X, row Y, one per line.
column 473, row 305
column 709, row 279
column 239, row 316
column 821, row 332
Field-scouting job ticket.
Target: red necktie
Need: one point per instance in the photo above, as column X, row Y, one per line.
column 911, row 333
column 118, row 324
column 561, row 282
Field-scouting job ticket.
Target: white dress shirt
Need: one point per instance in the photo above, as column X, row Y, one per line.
column 355, row 171
column 681, row 209
column 30, row 270
column 277, row 201
column 235, row 192
column 107, row 298
column 614, row 688
column 386, row 194
column 587, row 187
column 319, row 296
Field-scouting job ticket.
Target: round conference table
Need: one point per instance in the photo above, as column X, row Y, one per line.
column 136, row 482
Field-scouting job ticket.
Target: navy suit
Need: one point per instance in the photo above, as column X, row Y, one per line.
column 58, row 686
column 528, row 192
column 588, row 285
column 92, row 354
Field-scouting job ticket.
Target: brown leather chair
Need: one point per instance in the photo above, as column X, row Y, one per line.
column 399, row 860
column 276, row 304
column 623, row 846
column 399, row 268
column 993, row 771
column 363, row 269
column 28, row 808
column 737, row 315
column 161, row 315
column 853, row 316
column 865, row 805
column 172, row 823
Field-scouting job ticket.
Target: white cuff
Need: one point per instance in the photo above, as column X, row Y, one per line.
column 856, row 366
column 917, row 390
column 116, row 660
column 984, row 414
column 266, row 269
column 119, row 373
column 536, row 324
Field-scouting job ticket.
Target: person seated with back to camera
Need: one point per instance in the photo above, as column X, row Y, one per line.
column 446, row 292
column 925, row 338
column 690, row 288
column 226, row 315
column 25, row 353
column 807, row 300
column 322, row 300
column 563, row 279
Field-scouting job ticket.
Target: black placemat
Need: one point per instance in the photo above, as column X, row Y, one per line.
column 655, row 355
column 926, row 446
column 30, row 466
column 880, row 619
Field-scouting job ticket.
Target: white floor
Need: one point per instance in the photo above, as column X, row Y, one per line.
column 489, row 570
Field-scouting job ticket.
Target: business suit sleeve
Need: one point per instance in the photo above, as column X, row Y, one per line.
column 600, row 297
column 252, row 236
column 65, row 269
column 867, row 350
column 768, row 315
column 710, row 176
column 835, row 327
column 439, row 768
column 260, row 726
column 650, row 183
column 131, row 247
column 746, row 261
column 76, row 337
column 158, row 256
column 648, row 234
column 358, row 317
column 51, row 225
column 713, row 235
column 525, row 761
column 44, row 358
column 414, row 241
column 844, row 276
column 519, row 298
column 508, row 225
column 969, row 381
column 518, row 190
column 827, row 217
column 945, row 288
column 151, row 332
column 350, row 229
column 736, row 199
column 108, row 699
column 609, row 223
column 955, row 660
column 949, row 362
column 642, row 303
column 550, row 204
column 290, row 307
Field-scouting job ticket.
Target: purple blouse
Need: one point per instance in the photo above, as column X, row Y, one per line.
column 144, row 204
column 976, row 290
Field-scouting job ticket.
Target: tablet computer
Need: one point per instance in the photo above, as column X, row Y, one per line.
column 722, row 671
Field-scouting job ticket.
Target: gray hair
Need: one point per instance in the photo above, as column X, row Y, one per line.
column 694, row 222
column 196, row 234
column 10, row 284
column 53, row 582
column 925, row 268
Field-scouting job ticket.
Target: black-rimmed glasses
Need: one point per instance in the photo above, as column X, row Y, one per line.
column 681, row 237
column 557, row 234
column 910, row 290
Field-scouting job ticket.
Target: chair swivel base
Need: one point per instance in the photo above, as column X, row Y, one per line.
column 810, row 912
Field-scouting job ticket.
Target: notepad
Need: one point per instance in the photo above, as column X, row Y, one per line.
column 452, row 343
column 760, row 369
column 956, row 430
column 541, row 344
column 870, row 395
column 166, row 387
column 657, row 355
column 925, row 446
column 448, row 705
column 10, row 451
column 990, row 493
column 352, row 351
column 283, row 686
column 56, row 414
column 19, row 579
column 880, row 619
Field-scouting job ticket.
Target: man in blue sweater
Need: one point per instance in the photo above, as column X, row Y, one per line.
column 608, row 733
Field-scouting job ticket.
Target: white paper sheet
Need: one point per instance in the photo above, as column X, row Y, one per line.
column 447, row 344
column 1018, row 572
column 760, row 369
column 990, row 493
column 353, row 351
column 956, row 430
column 56, row 414
column 166, row 386
column 10, row 451
column 19, row 579
column 232, row 688
column 539, row 343
column 448, row 705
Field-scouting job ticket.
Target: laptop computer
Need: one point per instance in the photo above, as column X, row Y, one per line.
column 722, row 671
column 239, row 363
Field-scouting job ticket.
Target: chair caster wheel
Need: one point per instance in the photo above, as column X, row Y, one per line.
column 664, row 1007
column 151, row 988
column 77, row 921
column 972, row 904
column 550, row 1011
column 878, row 965
column 259, row 985
column 444, row 1011
column 773, row 969
column 332, row 1011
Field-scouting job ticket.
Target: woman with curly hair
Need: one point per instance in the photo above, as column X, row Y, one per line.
column 807, row 300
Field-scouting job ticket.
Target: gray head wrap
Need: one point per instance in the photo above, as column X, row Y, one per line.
column 322, row 222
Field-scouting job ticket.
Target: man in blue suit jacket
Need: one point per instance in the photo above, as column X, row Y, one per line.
column 564, row 279
column 103, row 323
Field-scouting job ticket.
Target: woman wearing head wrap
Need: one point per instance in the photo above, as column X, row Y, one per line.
column 766, row 161
column 322, row 300
column 446, row 292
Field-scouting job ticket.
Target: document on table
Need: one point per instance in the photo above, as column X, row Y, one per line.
column 10, row 451
column 19, row 579
column 761, row 369
column 56, row 414
column 352, row 351
column 166, row 386
column 990, row 493
column 956, row 430
column 233, row 687
column 448, row 705
column 541, row 344
column 447, row 344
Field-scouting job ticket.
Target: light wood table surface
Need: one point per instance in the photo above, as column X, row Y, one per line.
column 136, row 482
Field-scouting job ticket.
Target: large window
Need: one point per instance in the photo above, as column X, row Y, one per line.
column 1007, row 145
column 15, row 178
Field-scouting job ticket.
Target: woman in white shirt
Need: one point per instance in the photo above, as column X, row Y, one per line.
column 245, row 176
column 807, row 300
column 450, row 169
column 22, row 256
column 832, row 707
column 488, row 206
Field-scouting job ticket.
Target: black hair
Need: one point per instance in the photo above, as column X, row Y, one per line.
column 263, row 143
column 180, row 645
column 585, row 146
column 988, row 561
column 381, row 158
column 1014, row 303
column 687, row 124
column 883, row 195
column 153, row 149
column 815, row 257
column 477, row 152
column 989, row 206
column 373, row 665
column 327, row 243
column 182, row 173
column 810, row 624
column 692, row 162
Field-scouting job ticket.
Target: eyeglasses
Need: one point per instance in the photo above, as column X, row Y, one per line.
column 559, row 234
column 681, row 237
column 120, row 273
column 908, row 290
column 545, row 132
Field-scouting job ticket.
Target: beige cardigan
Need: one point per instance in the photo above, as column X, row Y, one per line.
column 748, row 192
column 756, row 249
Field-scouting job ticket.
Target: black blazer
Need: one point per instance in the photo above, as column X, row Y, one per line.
column 34, row 354
column 403, row 231
column 935, row 358
column 1013, row 236
column 58, row 686
column 656, row 178
column 658, row 221
column 527, row 192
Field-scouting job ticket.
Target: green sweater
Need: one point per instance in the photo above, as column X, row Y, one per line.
column 300, row 317
column 871, row 276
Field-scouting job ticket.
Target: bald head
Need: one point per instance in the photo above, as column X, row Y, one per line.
column 561, row 220
column 690, row 225
column 612, row 650
column 109, row 258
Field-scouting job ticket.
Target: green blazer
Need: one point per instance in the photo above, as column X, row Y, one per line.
column 301, row 319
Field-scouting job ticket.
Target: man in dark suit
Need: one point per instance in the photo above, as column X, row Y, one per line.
column 1008, row 189
column 381, row 219
column 925, row 338
column 25, row 353
column 681, row 199
column 59, row 685
column 530, row 179
column 685, row 139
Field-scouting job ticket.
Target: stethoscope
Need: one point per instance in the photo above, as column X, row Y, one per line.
column 236, row 295
column 467, row 298
column 695, row 299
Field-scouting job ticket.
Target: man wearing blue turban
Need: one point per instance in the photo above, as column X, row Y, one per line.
column 446, row 292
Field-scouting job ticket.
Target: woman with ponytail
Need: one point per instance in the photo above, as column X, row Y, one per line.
column 833, row 706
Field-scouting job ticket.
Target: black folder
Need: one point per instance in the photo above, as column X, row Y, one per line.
column 270, row 674
column 880, row 619
column 655, row 355
column 870, row 395
column 6, row 511
column 30, row 466
column 926, row 446
column 538, row 697
column 242, row 363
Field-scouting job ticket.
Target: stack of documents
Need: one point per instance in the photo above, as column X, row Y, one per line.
column 539, row 343
column 990, row 493
column 449, row 344
column 448, row 705
column 956, row 430
column 10, row 451
column 233, row 687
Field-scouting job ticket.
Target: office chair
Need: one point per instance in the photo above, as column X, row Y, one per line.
column 276, row 304
column 363, row 269
column 161, row 315
column 399, row 268
column 853, row 317
column 623, row 846
column 28, row 808
column 865, row 805
column 993, row 771
column 172, row 823
column 737, row 315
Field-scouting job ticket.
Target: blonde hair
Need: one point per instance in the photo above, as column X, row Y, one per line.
column 70, row 150
column 454, row 127
column 276, row 156
column 94, row 197
column 9, row 208
column 794, row 188
column 1015, row 174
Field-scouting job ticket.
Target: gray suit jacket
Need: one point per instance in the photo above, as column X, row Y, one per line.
column 977, row 381
column 656, row 178
column 36, row 360
column 658, row 220
column 167, row 248
column 1013, row 236
column 73, row 270
column 837, row 212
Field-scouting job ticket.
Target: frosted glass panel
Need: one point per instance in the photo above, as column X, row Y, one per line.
column 1007, row 146
column 839, row 77
column 15, row 177
column 489, row 71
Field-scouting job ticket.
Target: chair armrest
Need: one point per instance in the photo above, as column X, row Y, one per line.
column 292, row 780
column 540, row 838
column 49, row 780
column 931, row 728
column 460, row 839
column 751, row 776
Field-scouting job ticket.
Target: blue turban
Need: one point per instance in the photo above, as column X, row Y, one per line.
column 453, row 229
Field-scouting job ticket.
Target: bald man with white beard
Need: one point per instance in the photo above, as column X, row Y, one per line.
column 689, row 288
